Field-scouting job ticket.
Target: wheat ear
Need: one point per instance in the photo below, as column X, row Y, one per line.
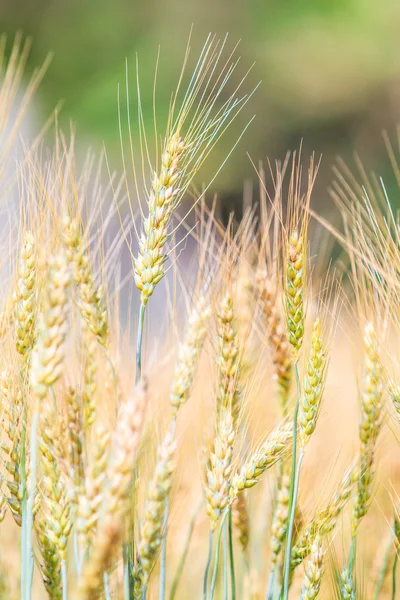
column 294, row 289
column 24, row 299
column 313, row 575
column 219, row 468
column 273, row 449
column 371, row 420
column 277, row 337
column 325, row 519
column 313, row 385
column 188, row 354
column 120, row 468
column 91, row 301
column 153, row 522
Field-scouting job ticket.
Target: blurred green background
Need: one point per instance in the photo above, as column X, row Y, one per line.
column 330, row 70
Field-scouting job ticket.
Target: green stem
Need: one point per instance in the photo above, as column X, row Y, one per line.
column 384, row 568
column 24, row 566
column 271, row 584
column 64, row 580
column 216, row 559
column 294, row 484
column 28, row 567
column 184, row 554
column 107, row 592
column 232, row 557
column 163, row 557
column 226, row 560
column 394, row 576
column 128, row 584
column 208, row 565
column 139, row 342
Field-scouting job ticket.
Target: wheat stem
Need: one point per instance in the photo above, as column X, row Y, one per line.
column 182, row 560
column 139, row 342
column 294, row 483
column 64, row 580
column 107, row 592
column 226, row 561
column 394, row 576
column 163, row 557
column 384, row 568
column 216, row 559
column 208, row 565
column 232, row 557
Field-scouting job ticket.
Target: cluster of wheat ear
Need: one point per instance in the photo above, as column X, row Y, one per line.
column 222, row 457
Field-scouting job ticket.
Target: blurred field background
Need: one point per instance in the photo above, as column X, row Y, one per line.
column 330, row 71
column 330, row 76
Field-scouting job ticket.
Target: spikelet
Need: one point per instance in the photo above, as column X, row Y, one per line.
column 6, row 316
column 325, row 519
column 313, row 575
column 394, row 391
column 216, row 489
column 275, row 447
column 240, row 517
column 91, row 298
column 277, row 337
column 24, row 299
column 347, row 588
column 121, row 463
column 371, row 419
column 48, row 352
column 188, row 354
column 228, row 358
column 153, row 522
column 89, row 383
column 3, row 507
column 313, row 385
column 294, row 289
column 281, row 514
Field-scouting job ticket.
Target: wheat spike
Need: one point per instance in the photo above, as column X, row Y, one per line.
column 294, row 289
column 218, row 470
column 277, row 337
column 275, row 447
column 91, row 297
column 313, row 385
column 48, row 352
column 371, row 420
column 188, row 354
column 313, row 576
column 153, row 521
column 24, row 300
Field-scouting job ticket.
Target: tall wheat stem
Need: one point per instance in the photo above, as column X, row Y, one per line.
column 217, row 552
column 232, row 557
column 394, row 576
column 208, row 565
column 294, row 486
column 384, row 568
column 182, row 561
column 23, row 507
column 139, row 342
column 64, row 580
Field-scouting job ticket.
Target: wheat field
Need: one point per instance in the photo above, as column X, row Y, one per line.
column 219, row 419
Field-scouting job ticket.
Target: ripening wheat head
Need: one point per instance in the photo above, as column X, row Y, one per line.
column 195, row 125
